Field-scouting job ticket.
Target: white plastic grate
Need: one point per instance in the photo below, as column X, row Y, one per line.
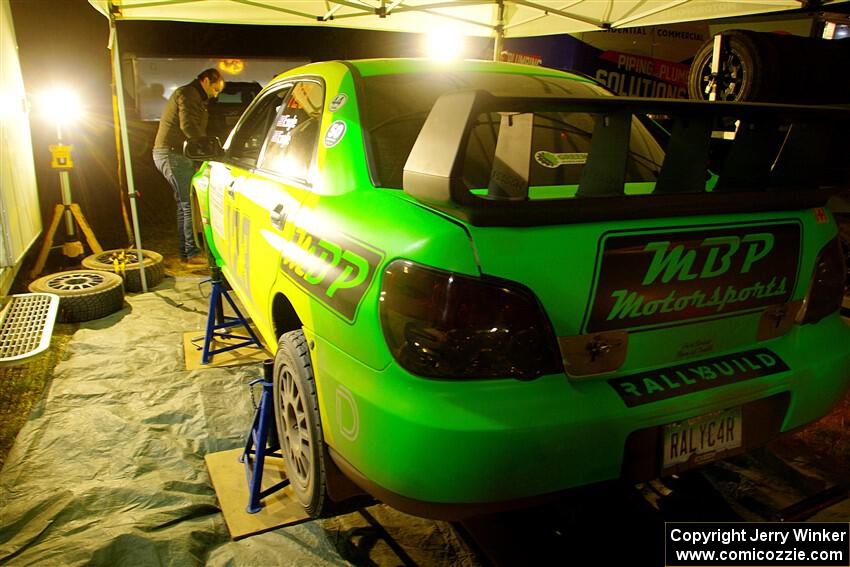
column 26, row 324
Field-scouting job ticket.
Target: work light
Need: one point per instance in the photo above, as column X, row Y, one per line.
column 444, row 44
column 60, row 105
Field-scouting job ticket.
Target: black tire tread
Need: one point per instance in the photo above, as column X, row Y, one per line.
column 785, row 68
column 154, row 274
column 198, row 225
column 154, row 269
column 300, row 353
column 88, row 305
column 749, row 48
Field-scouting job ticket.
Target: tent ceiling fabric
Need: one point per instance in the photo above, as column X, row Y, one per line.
column 470, row 17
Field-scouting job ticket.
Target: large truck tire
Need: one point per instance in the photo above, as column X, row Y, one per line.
column 84, row 295
column 771, row 67
column 742, row 69
column 154, row 268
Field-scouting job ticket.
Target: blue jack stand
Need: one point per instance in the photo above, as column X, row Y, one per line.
column 258, row 445
column 217, row 320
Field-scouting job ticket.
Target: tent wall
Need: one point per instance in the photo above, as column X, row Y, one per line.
column 20, row 217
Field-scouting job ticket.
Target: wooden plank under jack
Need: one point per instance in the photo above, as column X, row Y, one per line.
column 279, row 510
column 193, row 344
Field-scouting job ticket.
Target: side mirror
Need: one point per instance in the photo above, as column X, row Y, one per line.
column 203, row 148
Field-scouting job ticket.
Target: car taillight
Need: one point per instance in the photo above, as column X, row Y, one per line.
column 827, row 287
column 444, row 325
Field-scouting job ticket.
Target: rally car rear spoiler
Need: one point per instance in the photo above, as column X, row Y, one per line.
column 754, row 177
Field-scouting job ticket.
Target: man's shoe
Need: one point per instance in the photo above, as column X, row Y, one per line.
column 196, row 260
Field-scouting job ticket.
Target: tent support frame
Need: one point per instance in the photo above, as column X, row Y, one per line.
column 125, row 143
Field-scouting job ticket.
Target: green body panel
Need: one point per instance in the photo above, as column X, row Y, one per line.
column 372, row 67
column 559, row 265
column 456, row 441
column 324, row 210
column 492, row 440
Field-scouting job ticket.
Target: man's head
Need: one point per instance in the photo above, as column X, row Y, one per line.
column 211, row 81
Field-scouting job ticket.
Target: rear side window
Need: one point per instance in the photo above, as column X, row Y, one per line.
column 294, row 136
column 561, row 143
column 396, row 106
column 584, row 143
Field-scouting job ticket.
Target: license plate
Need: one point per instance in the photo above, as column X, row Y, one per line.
column 701, row 439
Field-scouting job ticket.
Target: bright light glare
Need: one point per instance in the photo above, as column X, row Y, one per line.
column 444, row 44
column 9, row 105
column 60, row 106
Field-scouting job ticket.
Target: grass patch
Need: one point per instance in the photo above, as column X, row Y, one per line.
column 22, row 386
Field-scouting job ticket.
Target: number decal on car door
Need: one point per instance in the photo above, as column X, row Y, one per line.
column 239, row 247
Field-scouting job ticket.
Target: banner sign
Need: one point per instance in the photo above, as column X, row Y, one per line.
column 642, row 61
column 636, row 75
column 652, row 279
column 523, row 58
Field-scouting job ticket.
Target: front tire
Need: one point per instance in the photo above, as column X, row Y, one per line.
column 299, row 425
column 197, row 222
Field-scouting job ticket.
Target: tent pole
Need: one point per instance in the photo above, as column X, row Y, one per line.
column 125, row 142
column 500, row 32
column 120, row 157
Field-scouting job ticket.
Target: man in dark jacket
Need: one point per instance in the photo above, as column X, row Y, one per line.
column 184, row 117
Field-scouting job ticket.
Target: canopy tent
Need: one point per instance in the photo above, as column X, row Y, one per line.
column 515, row 18
column 484, row 18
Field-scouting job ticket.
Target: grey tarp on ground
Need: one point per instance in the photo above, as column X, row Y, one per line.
column 109, row 469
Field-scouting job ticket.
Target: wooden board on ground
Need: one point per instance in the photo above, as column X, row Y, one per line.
column 231, row 487
column 193, row 344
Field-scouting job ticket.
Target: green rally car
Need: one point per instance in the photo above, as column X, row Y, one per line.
column 487, row 283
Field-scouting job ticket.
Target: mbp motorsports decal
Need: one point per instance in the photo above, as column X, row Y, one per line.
column 653, row 279
column 334, row 134
column 655, row 385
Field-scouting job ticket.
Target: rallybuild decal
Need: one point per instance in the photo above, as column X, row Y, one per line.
column 653, row 279
column 332, row 267
column 655, row 385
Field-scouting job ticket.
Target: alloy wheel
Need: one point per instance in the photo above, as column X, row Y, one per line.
column 297, row 443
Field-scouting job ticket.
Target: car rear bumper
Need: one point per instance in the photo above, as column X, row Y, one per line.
column 455, row 445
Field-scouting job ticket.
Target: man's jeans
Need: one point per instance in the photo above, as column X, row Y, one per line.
column 178, row 171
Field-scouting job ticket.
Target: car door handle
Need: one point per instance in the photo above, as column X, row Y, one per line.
column 230, row 190
column 278, row 217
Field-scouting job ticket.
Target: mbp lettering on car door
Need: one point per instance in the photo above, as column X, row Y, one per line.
column 334, row 268
column 646, row 280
